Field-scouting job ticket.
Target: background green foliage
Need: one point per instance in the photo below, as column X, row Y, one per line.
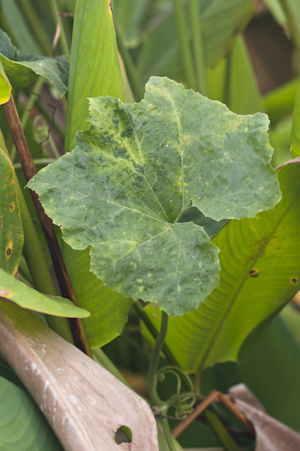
column 231, row 337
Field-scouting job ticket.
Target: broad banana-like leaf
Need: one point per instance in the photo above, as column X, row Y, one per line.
column 260, row 270
column 220, row 23
column 11, row 230
column 84, row 404
column 16, row 291
column 22, row 425
column 134, row 173
column 23, row 68
column 274, row 351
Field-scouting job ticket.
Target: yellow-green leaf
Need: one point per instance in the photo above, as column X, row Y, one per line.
column 17, row 292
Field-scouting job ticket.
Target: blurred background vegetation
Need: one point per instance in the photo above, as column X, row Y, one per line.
column 245, row 53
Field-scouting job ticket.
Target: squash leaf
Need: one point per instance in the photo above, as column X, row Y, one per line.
column 137, row 169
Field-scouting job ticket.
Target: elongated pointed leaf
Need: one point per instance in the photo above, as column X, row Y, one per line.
column 94, row 63
column 11, row 230
column 15, row 291
column 22, row 424
column 136, row 170
column 93, row 47
column 23, row 68
column 260, row 261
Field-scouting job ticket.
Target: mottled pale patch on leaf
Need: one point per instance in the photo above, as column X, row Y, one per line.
column 135, row 171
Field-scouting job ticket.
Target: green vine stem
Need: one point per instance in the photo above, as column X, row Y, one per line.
column 216, row 425
column 213, row 421
column 184, row 44
column 25, row 116
column 37, row 162
column 153, row 376
column 198, row 47
column 144, row 317
column 152, row 372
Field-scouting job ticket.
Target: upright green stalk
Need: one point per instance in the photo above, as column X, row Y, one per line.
column 152, row 378
column 292, row 20
column 36, row 27
column 213, row 421
column 63, row 37
column 184, row 44
column 144, row 317
column 25, row 116
column 198, row 47
column 226, row 439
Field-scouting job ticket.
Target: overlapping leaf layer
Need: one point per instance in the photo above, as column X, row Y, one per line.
column 137, row 169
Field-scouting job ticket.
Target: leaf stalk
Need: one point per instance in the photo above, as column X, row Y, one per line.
column 29, row 170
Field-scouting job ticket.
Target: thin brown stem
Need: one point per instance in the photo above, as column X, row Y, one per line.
column 211, row 397
column 29, row 170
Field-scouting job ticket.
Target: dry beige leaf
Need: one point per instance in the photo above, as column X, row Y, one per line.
column 271, row 435
column 84, row 403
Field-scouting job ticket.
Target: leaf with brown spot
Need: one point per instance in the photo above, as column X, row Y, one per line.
column 11, row 230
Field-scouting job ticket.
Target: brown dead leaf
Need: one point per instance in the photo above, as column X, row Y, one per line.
column 271, row 435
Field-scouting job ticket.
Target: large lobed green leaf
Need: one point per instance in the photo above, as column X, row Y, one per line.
column 17, row 292
column 11, row 230
column 260, row 261
column 137, row 169
column 23, row 68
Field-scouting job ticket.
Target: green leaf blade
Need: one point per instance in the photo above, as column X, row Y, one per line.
column 22, row 68
column 259, row 274
column 94, row 52
column 108, row 309
column 133, row 174
column 22, row 425
column 17, row 292
column 11, row 230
